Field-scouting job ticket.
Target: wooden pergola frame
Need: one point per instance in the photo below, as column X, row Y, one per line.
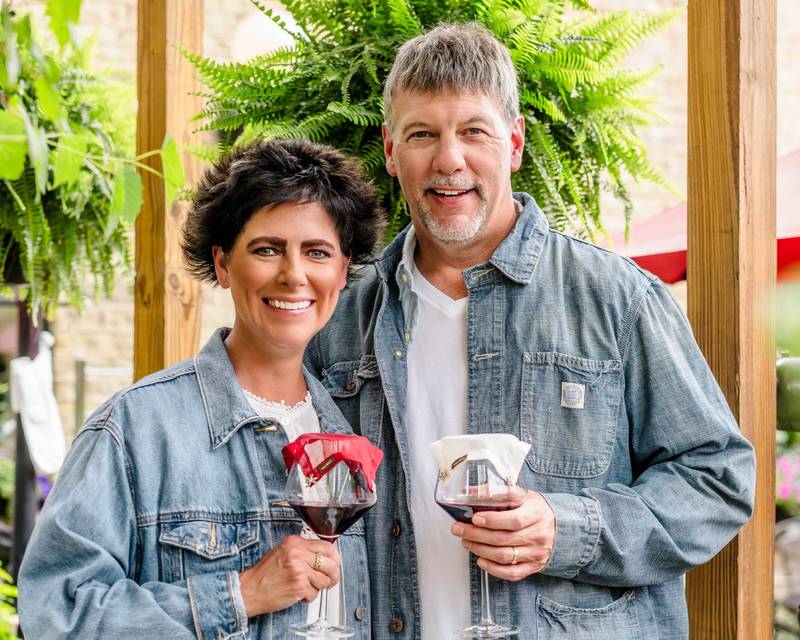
column 731, row 253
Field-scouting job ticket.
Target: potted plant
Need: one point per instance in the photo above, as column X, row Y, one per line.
column 580, row 105
column 69, row 190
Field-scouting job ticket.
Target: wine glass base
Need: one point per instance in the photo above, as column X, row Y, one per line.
column 488, row 631
column 322, row 630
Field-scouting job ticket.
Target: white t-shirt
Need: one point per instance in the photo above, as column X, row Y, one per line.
column 436, row 406
column 295, row 421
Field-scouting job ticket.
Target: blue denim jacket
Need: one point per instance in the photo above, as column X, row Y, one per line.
column 171, row 488
column 646, row 472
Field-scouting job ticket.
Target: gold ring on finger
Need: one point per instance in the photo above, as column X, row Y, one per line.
column 318, row 561
column 514, row 555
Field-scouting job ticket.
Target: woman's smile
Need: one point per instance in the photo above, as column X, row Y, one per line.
column 289, row 306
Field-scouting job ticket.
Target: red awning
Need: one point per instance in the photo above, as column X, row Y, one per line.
column 658, row 244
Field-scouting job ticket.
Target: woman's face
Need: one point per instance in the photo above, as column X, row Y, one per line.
column 285, row 271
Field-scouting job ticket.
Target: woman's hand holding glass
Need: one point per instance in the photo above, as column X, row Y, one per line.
column 291, row 572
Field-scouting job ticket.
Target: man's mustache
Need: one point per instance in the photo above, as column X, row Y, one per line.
column 452, row 183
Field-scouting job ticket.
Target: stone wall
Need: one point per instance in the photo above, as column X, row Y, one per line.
column 103, row 335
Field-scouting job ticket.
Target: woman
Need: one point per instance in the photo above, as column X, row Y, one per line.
column 168, row 519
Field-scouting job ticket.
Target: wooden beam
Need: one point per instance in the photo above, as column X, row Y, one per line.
column 731, row 281
column 167, row 301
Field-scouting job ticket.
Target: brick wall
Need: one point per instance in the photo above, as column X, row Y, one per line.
column 103, row 335
column 113, row 25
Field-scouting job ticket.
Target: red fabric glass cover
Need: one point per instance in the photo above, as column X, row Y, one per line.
column 318, row 453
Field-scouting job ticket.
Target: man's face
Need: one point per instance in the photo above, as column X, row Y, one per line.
column 453, row 154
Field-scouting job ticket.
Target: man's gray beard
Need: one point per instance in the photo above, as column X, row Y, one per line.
column 449, row 233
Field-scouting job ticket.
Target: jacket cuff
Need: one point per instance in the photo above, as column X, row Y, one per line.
column 578, row 525
column 217, row 606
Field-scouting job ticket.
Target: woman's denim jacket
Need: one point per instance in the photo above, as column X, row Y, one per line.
column 586, row 357
column 172, row 488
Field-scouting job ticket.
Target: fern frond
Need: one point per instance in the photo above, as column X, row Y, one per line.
column 371, row 155
column 582, row 108
column 280, row 22
column 404, row 21
column 356, row 113
column 208, row 153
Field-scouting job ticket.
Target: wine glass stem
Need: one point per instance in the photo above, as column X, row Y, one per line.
column 323, row 606
column 486, row 604
column 322, row 618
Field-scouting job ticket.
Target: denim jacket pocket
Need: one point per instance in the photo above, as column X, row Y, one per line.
column 355, row 385
column 616, row 621
column 345, row 379
column 568, row 413
column 205, row 546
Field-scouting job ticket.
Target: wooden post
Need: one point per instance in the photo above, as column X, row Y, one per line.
column 167, row 300
column 731, row 266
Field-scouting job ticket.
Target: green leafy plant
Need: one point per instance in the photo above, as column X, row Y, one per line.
column 580, row 106
column 787, row 330
column 8, row 468
column 70, row 191
column 8, row 598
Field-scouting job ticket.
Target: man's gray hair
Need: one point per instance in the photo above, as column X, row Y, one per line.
column 458, row 58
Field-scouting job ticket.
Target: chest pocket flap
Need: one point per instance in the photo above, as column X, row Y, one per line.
column 344, row 379
column 211, row 540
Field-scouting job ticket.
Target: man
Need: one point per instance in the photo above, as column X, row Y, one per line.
column 482, row 319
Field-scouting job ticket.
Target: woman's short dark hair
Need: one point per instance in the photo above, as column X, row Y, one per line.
column 273, row 173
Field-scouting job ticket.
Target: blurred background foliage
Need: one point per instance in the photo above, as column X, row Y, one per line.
column 69, row 190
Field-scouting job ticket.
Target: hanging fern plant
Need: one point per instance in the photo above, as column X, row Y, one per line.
column 581, row 108
column 69, row 190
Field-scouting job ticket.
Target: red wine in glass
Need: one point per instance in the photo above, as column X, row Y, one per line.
column 329, row 521
column 463, row 511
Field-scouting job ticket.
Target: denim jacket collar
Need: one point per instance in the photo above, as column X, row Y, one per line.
column 515, row 257
column 227, row 409
column 518, row 253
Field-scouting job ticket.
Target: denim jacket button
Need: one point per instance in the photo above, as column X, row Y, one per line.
column 398, row 353
column 396, row 625
column 396, row 530
column 361, row 613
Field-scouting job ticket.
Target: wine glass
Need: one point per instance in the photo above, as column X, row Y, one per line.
column 328, row 505
column 470, row 487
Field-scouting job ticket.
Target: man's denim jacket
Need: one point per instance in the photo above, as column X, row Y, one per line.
column 170, row 489
column 586, row 357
